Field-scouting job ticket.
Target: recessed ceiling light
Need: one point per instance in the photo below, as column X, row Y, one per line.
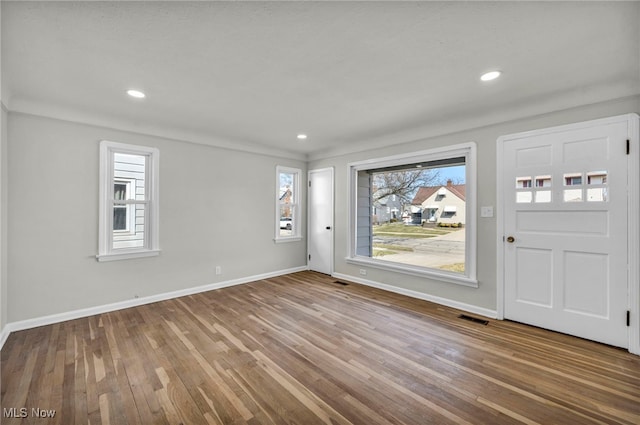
column 136, row 93
column 492, row 75
column 302, row 136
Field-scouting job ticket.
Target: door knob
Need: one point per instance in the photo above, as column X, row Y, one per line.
column 511, row 239
column 328, row 227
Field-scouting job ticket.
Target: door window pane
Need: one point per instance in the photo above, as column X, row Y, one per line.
column 523, row 182
column 543, row 181
column 543, row 196
column 598, row 194
column 597, row 190
column 524, row 197
column 573, row 195
column 597, row 178
column 573, row 179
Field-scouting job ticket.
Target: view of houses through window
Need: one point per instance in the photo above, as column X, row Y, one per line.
column 287, row 203
column 418, row 215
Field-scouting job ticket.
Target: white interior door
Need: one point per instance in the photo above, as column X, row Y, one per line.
column 565, row 221
column 320, row 222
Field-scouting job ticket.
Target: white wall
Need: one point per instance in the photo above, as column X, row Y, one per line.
column 484, row 297
column 3, row 221
column 216, row 209
column 3, row 205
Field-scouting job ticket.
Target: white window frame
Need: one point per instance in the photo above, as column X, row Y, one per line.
column 151, row 247
column 294, row 205
column 466, row 150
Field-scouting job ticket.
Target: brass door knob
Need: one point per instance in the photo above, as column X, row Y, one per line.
column 511, row 239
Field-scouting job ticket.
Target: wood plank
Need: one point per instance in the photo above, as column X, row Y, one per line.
column 302, row 349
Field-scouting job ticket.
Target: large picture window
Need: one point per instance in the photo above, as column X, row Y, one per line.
column 128, row 201
column 416, row 213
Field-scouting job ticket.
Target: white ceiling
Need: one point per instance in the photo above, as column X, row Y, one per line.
column 252, row 75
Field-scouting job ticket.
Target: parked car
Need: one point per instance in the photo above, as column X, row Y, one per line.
column 285, row 223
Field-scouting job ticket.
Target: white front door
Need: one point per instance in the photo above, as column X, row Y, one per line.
column 320, row 226
column 565, row 221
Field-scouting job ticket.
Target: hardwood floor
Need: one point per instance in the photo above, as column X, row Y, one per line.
column 303, row 349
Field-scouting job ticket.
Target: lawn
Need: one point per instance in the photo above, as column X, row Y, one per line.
column 380, row 249
column 401, row 229
column 457, row 267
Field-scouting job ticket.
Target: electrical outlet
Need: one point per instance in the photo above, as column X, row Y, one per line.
column 363, row 272
column 218, row 270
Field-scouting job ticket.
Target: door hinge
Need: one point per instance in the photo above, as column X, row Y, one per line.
column 628, row 317
column 628, row 146
column 309, row 183
column 309, row 257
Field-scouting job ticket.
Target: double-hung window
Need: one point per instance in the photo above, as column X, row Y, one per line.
column 128, row 221
column 416, row 214
column 287, row 204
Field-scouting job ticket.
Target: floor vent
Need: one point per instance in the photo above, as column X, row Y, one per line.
column 474, row 319
column 341, row 283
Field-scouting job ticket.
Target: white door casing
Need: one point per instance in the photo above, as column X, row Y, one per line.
column 567, row 229
column 320, row 221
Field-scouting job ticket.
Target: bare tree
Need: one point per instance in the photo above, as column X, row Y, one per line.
column 402, row 183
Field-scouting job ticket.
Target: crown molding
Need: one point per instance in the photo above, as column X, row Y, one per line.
column 593, row 96
column 62, row 113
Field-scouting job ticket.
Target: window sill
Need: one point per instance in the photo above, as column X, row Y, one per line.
column 414, row 271
column 127, row 255
column 288, row 239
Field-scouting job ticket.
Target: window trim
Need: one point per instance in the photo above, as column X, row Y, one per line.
column 296, row 234
column 466, row 150
column 105, row 217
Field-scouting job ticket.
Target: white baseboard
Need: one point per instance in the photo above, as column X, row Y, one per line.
column 4, row 334
column 493, row 314
column 91, row 311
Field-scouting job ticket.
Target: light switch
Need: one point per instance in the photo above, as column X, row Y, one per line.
column 486, row 211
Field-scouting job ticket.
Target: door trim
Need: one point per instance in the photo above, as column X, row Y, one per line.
column 333, row 219
column 633, row 206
